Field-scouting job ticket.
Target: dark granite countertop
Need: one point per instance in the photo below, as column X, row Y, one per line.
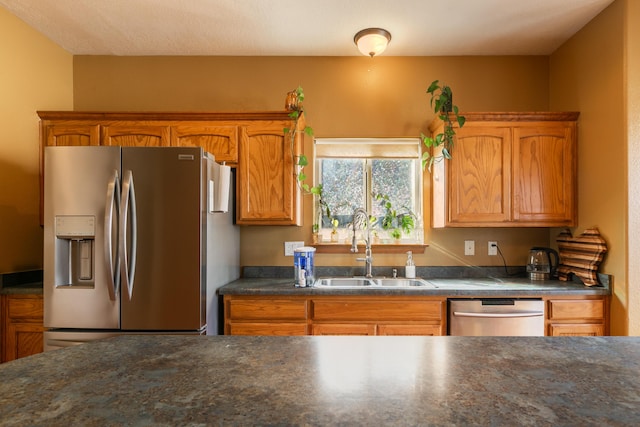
column 23, row 282
column 464, row 287
column 229, row 380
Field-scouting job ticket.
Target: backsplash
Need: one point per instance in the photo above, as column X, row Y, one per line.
column 427, row 272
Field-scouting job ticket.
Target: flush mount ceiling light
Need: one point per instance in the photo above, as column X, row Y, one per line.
column 372, row 41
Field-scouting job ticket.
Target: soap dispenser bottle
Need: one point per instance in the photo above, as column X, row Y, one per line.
column 410, row 268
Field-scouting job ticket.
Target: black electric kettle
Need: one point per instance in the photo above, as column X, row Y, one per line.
column 542, row 263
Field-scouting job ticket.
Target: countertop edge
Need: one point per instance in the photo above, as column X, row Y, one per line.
column 285, row 287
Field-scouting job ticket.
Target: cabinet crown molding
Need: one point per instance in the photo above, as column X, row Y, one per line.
column 163, row 115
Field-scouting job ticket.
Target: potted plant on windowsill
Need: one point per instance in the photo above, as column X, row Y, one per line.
column 395, row 222
column 442, row 104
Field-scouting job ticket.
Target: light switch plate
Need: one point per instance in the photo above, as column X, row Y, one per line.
column 289, row 247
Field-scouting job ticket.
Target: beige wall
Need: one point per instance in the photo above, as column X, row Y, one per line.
column 587, row 76
column 632, row 76
column 345, row 96
column 36, row 75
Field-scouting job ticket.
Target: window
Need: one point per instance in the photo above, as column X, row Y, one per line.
column 368, row 173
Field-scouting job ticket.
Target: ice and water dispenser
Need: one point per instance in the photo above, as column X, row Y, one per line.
column 75, row 250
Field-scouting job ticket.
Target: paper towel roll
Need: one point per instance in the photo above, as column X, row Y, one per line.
column 221, row 178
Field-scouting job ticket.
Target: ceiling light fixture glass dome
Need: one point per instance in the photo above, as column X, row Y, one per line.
column 372, row 41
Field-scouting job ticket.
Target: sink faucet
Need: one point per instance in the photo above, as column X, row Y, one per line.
column 361, row 220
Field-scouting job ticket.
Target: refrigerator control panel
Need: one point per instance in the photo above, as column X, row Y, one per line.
column 75, row 226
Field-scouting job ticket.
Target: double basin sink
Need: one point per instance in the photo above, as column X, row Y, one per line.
column 372, row 283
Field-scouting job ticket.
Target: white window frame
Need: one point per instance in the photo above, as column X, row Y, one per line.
column 369, row 149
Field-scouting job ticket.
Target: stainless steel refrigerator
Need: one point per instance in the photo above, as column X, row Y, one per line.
column 134, row 242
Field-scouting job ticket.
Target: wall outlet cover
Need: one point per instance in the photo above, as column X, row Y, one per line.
column 492, row 248
column 469, row 247
column 289, row 247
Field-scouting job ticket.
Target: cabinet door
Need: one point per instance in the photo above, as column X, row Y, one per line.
column 23, row 326
column 473, row 188
column 135, row 135
column 267, row 191
column 219, row 140
column 66, row 134
column 479, row 174
column 544, row 173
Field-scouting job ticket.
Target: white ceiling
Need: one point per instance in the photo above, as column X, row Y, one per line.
column 305, row 27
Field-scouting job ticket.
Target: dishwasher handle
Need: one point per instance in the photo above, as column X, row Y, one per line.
column 499, row 315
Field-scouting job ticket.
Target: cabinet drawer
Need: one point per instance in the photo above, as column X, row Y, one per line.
column 25, row 308
column 576, row 309
column 376, row 310
column 267, row 309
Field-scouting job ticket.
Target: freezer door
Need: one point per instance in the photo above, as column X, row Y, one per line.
column 78, row 283
column 163, row 282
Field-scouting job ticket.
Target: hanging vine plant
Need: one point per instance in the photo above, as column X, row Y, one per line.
column 442, row 104
column 294, row 104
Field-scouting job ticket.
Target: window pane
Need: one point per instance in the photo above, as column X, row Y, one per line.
column 343, row 187
column 396, row 179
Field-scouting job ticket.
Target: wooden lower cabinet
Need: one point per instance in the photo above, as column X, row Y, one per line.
column 390, row 315
column 265, row 316
column 334, row 315
column 376, row 329
column 22, row 331
column 577, row 317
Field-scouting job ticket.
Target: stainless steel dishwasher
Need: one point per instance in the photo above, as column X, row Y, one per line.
column 496, row 317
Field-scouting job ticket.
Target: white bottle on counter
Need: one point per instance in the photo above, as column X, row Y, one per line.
column 410, row 268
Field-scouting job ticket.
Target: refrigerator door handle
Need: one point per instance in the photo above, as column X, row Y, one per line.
column 113, row 204
column 128, row 264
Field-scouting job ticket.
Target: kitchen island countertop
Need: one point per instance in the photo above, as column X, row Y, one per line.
column 226, row 380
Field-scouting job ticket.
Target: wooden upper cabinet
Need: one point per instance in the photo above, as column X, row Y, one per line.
column 220, row 140
column 482, row 175
column 508, row 170
column 135, row 135
column 544, row 165
column 255, row 142
column 70, row 133
column 267, row 193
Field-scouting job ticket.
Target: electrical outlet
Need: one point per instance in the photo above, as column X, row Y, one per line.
column 289, row 247
column 469, row 247
column 492, row 248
